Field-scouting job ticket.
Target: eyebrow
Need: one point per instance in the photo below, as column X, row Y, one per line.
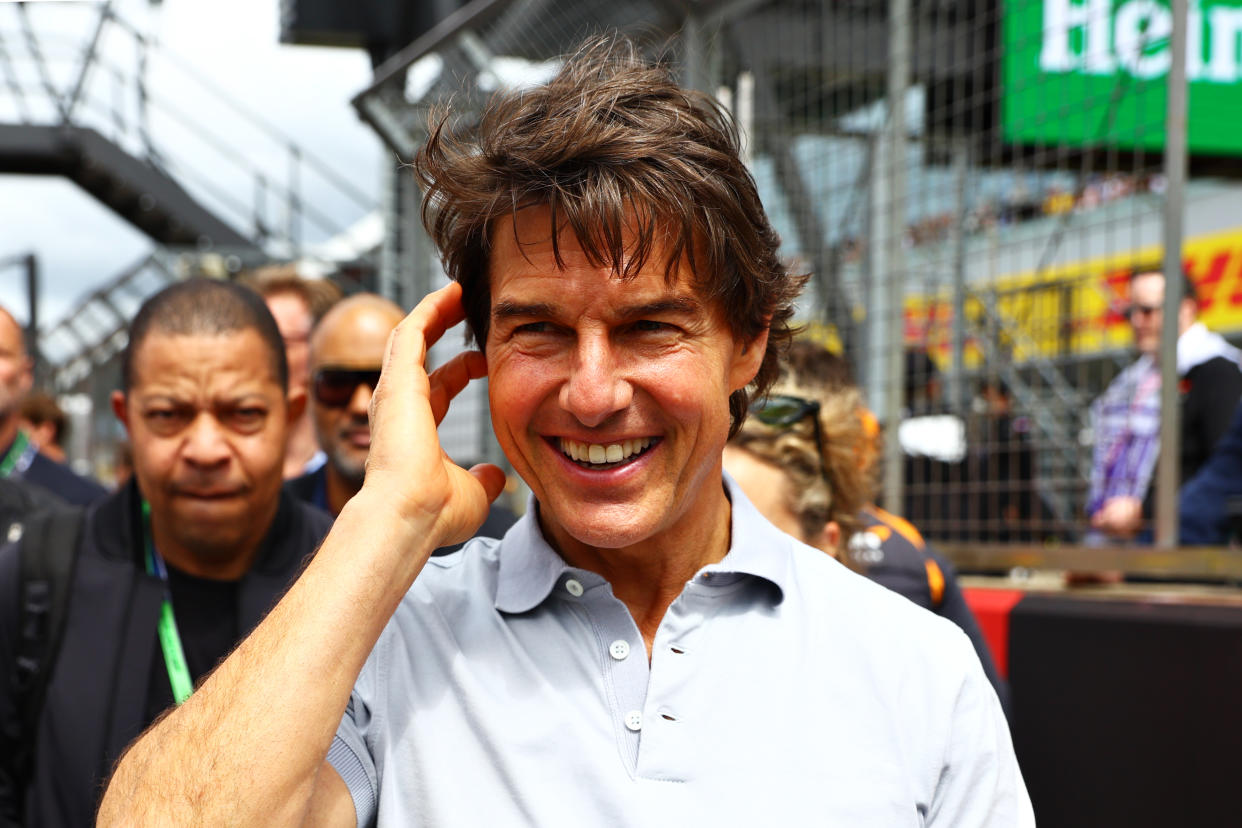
column 505, row 309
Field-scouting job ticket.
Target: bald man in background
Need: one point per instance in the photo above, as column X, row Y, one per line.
column 20, row 458
column 346, row 352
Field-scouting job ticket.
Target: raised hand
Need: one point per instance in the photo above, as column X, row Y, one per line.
column 406, row 466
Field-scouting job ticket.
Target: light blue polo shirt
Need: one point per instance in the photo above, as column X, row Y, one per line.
column 512, row 689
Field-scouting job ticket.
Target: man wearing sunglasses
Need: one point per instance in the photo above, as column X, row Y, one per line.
column 347, row 349
column 1127, row 415
column 642, row 648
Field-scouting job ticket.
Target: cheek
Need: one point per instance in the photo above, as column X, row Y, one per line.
column 517, row 384
column 262, row 455
column 154, row 458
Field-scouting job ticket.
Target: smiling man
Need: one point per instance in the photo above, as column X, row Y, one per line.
column 172, row 570
column 642, row 648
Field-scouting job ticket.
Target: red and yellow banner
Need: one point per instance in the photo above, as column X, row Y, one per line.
column 1078, row 308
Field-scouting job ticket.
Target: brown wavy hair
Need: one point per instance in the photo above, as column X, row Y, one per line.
column 811, row 372
column 635, row 166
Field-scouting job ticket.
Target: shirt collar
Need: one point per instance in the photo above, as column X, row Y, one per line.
column 530, row 567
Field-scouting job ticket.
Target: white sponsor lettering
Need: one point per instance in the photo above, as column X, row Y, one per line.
column 1089, row 37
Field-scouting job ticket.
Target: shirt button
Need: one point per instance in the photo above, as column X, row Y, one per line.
column 619, row 649
column 573, row 587
column 634, row 720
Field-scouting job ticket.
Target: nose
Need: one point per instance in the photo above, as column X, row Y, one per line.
column 205, row 442
column 359, row 404
column 596, row 388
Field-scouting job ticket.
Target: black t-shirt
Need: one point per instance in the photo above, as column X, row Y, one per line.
column 206, row 613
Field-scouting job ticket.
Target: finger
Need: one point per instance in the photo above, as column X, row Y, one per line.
column 436, row 313
column 492, row 478
column 449, row 379
column 406, row 353
column 422, row 327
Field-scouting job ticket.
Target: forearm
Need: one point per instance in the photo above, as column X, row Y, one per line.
column 246, row 747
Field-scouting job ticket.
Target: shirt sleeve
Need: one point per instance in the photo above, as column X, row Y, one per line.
column 955, row 608
column 980, row 783
column 351, row 757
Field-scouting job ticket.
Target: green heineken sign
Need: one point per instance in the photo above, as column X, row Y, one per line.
column 1093, row 72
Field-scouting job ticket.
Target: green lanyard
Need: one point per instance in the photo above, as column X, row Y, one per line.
column 170, row 640
column 19, row 455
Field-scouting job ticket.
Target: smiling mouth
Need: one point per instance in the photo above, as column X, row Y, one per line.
column 600, row 456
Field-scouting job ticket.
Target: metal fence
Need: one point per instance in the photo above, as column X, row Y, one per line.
column 971, row 184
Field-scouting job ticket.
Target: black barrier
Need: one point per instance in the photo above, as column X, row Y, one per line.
column 1127, row 712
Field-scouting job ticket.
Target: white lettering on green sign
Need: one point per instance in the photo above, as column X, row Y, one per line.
column 1092, row 38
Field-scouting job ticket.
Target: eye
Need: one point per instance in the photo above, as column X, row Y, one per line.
column 165, row 419
column 533, row 328
column 248, row 417
column 652, row 326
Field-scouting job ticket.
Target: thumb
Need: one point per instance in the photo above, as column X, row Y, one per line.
column 491, row 477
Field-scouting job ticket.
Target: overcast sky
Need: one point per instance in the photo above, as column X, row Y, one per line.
column 303, row 91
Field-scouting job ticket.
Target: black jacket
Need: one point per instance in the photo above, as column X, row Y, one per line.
column 97, row 694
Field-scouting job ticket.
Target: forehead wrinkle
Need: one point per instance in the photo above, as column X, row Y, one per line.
column 163, row 366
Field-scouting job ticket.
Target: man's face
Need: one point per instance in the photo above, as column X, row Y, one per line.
column 348, row 341
column 1146, row 314
column 15, row 373
column 610, row 397
column 207, row 421
column 294, row 320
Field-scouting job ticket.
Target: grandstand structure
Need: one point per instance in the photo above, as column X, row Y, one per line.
column 215, row 194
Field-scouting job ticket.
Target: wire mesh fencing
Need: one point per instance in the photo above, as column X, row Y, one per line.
column 971, row 183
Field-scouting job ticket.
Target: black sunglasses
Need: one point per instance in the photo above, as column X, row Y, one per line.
column 335, row 387
column 1145, row 310
column 785, row 410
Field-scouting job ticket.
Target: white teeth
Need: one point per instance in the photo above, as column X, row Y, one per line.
column 599, row 454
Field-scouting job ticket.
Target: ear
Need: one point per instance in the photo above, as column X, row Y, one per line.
column 829, row 538
column 119, row 409
column 27, row 378
column 295, row 405
column 747, row 357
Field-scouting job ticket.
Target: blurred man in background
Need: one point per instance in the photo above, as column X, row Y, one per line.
column 297, row 304
column 45, row 423
column 168, row 573
column 19, row 455
column 347, row 350
column 1127, row 415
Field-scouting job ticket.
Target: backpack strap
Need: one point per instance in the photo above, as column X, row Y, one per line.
column 48, row 557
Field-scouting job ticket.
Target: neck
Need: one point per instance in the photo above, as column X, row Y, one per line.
column 300, row 447
column 339, row 489
column 8, row 429
column 648, row 576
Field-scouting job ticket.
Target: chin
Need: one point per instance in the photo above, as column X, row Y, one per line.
column 601, row 529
